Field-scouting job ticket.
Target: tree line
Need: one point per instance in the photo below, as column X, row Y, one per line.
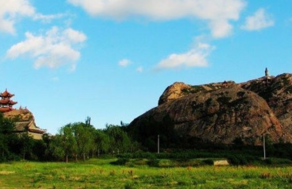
column 74, row 141
column 80, row 141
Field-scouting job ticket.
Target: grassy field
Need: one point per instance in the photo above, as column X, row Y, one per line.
column 99, row 173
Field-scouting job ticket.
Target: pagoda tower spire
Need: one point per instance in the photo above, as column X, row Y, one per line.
column 6, row 103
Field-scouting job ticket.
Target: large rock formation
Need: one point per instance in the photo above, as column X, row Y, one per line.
column 222, row 112
column 277, row 91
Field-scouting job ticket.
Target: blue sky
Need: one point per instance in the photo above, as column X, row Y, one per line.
column 111, row 59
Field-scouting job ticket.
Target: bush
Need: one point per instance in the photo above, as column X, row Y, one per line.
column 208, row 162
column 268, row 161
column 121, row 161
column 242, row 159
column 153, row 162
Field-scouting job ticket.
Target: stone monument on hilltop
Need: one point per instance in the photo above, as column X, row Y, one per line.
column 267, row 73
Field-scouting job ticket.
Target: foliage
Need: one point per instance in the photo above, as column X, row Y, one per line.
column 7, row 139
column 83, row 140
column 102, row 142
column 16, row 146
column 119, row 139
column 84, row 136
column 25, row 145
column 64, row 143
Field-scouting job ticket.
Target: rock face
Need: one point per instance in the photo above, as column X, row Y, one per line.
column 174, row 92
column 277, row 91
column 222, row 112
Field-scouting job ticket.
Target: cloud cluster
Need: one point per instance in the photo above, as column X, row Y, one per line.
column 196, row 57
column 139, row 69
column 259, row 20
column 124, row 62
column 11, row 10
column 218, row 13
column 53, row 49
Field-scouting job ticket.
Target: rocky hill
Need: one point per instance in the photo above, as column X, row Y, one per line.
column 222, row 112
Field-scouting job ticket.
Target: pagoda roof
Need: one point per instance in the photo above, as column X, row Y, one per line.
column 6, row 94
column 4, row 100
column 12, row 102
column 5, row 109
column 37, row 130
column 7, row 101
column 29, row 126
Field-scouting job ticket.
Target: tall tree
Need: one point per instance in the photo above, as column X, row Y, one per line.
column 8, row 138
column 56, row 149
column 84, row 135
column 26, row 143
column 102, row 142
column 64, row 143
column 119, row 139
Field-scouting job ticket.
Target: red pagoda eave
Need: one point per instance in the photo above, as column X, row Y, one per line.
column 4, row 100
column 5, row 109
column 5, row 103
column 6, row 94
column 12, row 102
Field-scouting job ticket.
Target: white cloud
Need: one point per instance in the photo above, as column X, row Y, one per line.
column 220, row 28
column 124, row 62
column 47, row 18
column 53, row 49
column 11, row 10
column 196, row 57
column 218, row 13
column 139, row 69
column 259, row 20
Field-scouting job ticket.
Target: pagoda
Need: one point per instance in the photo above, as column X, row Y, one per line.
column 23, row 119
column 6, row 103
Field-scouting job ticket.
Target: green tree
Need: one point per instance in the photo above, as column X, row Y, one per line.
column 119, row 139
column 8, row 139
column 56, row 149
column 102, row 142
column 84, row 136
column 64, row 144
column 26, row 143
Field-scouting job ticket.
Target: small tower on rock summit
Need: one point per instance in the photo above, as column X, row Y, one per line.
column 267, row 73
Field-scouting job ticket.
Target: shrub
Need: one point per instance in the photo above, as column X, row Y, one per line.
column 208, row 162
column 153, row 162
column 121, row 161
column 242, row 159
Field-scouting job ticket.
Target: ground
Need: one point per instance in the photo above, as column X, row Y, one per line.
column 99, row 173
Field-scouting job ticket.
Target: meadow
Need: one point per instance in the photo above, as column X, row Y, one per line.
column 100, row 173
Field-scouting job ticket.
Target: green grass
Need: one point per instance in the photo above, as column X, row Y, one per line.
column 99, row 173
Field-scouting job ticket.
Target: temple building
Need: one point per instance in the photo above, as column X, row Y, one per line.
column 22, row 117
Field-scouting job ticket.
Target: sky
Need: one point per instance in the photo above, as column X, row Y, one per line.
column 111, row 60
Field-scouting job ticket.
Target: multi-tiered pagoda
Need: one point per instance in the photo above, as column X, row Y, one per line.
column 23, row 119
column 6, row 103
